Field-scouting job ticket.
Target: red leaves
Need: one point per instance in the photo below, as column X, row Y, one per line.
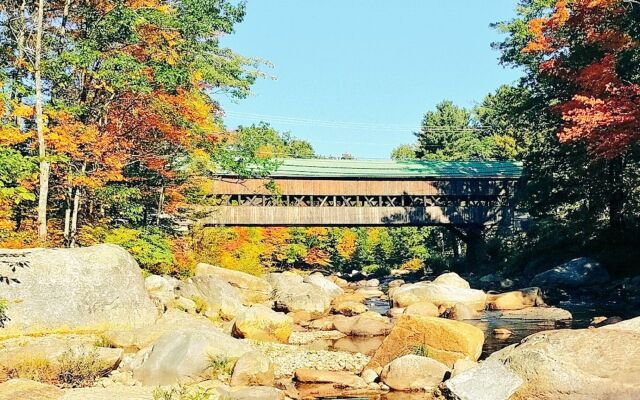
column 604, row 111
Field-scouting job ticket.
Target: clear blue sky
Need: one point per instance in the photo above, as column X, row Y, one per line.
column 356, row 76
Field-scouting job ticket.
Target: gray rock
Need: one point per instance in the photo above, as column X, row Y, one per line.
column 413, row 372
column 293, row 295
column 330, row 288
column 253, row 369
column 185, row 354
column 490, row 380
column 576, row 364
column 220, row 297
column 252, row 288
column 578, row 272
column 169, row 321
column 89, row 288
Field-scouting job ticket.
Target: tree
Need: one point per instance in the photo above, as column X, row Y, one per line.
column 403, row 152
column 581, row 164
column 43, row 193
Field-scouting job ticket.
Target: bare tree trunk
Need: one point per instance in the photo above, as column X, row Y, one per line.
column 42, row 151
column 616, row 193
column 67, row 219
column 74, row 216
column 76, row 208
column 160, row 205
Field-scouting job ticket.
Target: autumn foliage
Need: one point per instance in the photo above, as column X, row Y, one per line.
column 583, row 43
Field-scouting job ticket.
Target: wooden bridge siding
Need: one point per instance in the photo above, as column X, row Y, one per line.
column 349, row 216
column 340, row 187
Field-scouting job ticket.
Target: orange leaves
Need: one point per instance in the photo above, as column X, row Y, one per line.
column 607, row 124
column 347, row 245
column 539, row 43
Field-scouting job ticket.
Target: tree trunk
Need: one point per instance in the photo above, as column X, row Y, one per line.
column 160, row 205
column 42, row 151
column 74, row 216
column 616, row 193
column 475, row 247
column 67, row 219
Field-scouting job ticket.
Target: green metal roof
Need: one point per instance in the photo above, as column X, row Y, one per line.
column 329, row 168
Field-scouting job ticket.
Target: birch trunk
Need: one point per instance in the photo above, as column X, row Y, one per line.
column 42, row 151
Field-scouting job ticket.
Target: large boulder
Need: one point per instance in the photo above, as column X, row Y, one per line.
column 576, row 364
column 452, row 279
column 516, row 300
column 349, row 308
column 262, row 323
column 220, row 297
column 441, row 339
column 366, row 324
column 94, row 287
column 185, row 354
column 578, row 272
column 252, row 288
column 413, row 372
column 324, row 284
column 293, row 295
column 439, row 295
column 490, row 380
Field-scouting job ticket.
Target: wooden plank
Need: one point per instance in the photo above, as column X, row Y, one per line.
column 350, row 216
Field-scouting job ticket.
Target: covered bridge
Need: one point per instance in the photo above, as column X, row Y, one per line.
column 328, row 192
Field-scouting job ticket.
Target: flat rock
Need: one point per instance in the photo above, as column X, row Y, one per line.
column 537, row 313
column 52, row 347
column 26, row 389
column 97, row 287
column 251, row 393
column 441, row 339
column 490, row 380
column 631, row 325
column 342, row 378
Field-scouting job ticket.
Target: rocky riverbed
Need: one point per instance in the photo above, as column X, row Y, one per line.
column 85, row 324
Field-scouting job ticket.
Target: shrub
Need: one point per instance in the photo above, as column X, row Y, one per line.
column 72, row 369
column 182, row 393
column 376, row 270
column 220, row 366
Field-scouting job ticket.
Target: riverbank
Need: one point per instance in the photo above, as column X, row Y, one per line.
column 86, row 324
